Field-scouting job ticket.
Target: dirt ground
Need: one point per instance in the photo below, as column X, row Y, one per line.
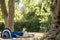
column 37, row 36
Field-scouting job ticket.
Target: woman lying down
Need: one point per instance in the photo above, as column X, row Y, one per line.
column 22, row 34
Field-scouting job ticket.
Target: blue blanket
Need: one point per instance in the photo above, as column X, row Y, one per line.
column 16, row 33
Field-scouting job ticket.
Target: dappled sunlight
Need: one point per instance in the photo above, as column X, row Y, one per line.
column 37, row 0
column 21, row 5
column 34, row 15
column 37, row 36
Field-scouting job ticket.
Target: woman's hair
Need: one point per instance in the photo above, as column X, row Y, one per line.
column 24, row 25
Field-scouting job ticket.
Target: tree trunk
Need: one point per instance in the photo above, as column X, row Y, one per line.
column 4, row 12
column 11, row 14
column 8, row 17
column 54, row 33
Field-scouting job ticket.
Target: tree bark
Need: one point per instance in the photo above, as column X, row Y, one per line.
column 8, row 17
column 54, row 33
column 11, row 14
column 4, row 12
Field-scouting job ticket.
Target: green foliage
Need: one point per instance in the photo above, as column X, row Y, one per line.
column 1, row 26
column 31, row 25
column 34, row 14
column 37, row 15
column 18, row 26
column 1, row 17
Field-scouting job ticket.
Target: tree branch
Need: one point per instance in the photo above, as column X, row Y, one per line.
column 3, row 8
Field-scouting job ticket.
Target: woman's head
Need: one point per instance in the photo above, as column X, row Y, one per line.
column 24, row 29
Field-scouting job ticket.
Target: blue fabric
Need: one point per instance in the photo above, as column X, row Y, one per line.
column 16, row 33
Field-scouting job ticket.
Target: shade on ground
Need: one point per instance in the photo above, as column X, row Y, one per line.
column 37, row 36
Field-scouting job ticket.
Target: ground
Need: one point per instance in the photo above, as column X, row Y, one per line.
column 37, row 36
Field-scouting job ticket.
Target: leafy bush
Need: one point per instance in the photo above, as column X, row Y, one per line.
column 30, row 25
column 1, row 26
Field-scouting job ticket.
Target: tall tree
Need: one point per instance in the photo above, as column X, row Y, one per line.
column 54, row 33
column 8, row 16
column 11, row 14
